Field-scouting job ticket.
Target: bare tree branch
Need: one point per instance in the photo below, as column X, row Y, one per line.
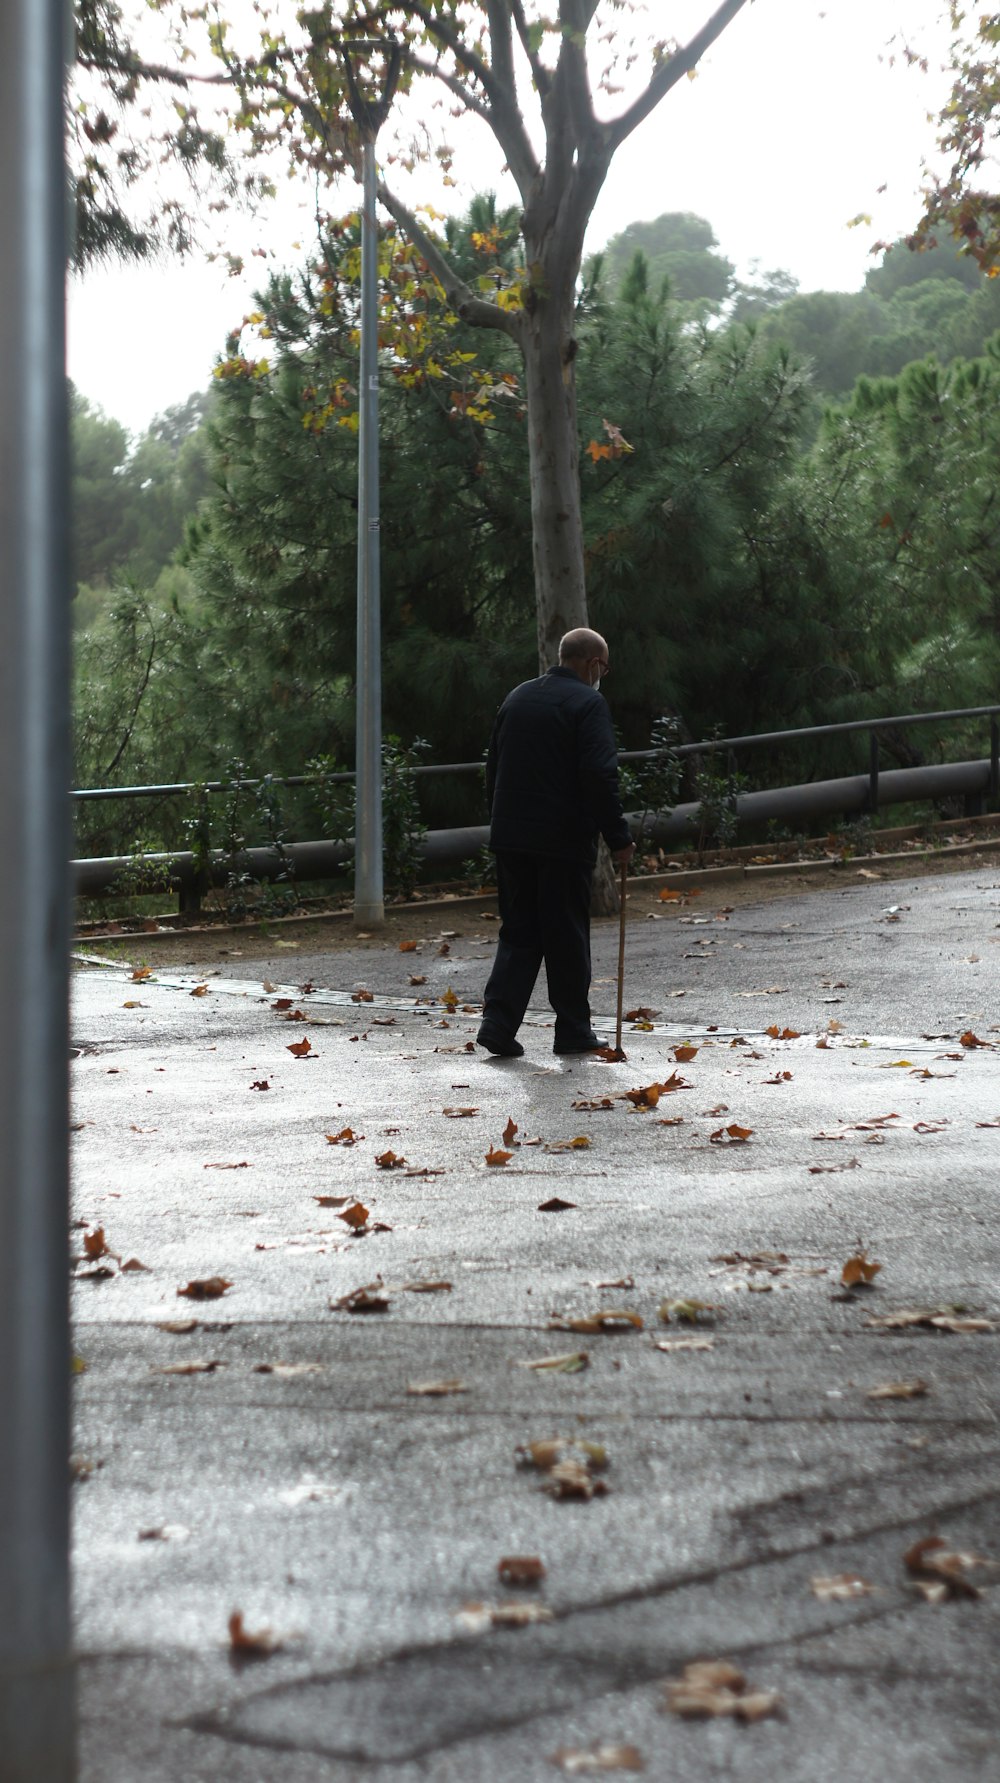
column 476, row 310
column 670, row 72
column 540, row 73
column 452, row 82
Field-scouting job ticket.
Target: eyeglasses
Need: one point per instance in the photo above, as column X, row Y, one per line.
column 605, row 667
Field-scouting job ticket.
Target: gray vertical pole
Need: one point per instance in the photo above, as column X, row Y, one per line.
column 369, row 910
column 36, row 1684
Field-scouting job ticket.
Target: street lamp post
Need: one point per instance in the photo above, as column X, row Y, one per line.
column 36, row 1682
column 369, row 112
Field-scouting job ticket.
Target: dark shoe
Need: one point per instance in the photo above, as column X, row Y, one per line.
column 496, row 1041
column 584, row 1043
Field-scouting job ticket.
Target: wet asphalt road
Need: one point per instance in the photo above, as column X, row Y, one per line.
column 356, row 1519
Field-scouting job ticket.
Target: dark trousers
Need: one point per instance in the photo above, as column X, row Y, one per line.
column 544, row 915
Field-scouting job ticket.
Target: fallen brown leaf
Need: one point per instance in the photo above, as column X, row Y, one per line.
column 243, row 1165
column 179, row 1327
column 362, row 996
column 195, row 1367
column 840, row 1587
column 459, row 1114
column 731, row 1135
column 689, row 1312
column 496, row 1156
column 573, row 1480
column 251, row 1646
column 200, row 990
column 388, row 1160
column 426, row 1287
column 571, row 1362
column 555, row 1204
column 433, row 1389
column 914, row 1389
column 712, row 1687
column 606, row 1102
column 288, row 1371
column 355, row 1215
column 509, row 1131
column 935, row 1564
column 346, row 1136
column 300, row 1048
column 569, row 1467
column 859, row 1271
column 616, row 1318
column 209, row 1287
column 133, row 1267
column 407, row 947
column 520, row 1569
column 141, row 973
column 370, row 1298
column 95, row 1244
column 970, row 1040
column 579, row 1761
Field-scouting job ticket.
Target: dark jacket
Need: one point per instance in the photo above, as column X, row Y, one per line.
column 552, row 771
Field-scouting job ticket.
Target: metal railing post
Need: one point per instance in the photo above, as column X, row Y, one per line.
column 873, row 772
column 36, row 1681
column 994, row 761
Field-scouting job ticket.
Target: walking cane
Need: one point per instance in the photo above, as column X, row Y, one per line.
column 621, row 959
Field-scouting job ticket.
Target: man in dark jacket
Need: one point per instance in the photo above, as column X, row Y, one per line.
column 552, row 783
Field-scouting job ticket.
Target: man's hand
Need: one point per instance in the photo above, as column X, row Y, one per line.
column 621, row 856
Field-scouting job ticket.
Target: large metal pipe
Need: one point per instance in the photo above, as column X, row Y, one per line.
column 304, row 861
column 36, row 1685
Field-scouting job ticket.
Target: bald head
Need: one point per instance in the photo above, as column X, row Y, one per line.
column 581, row 646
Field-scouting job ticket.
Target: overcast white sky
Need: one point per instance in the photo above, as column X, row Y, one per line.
column 794, row 122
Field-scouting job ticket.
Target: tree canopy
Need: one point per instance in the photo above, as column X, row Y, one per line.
column 963, row 201
column 560, row 92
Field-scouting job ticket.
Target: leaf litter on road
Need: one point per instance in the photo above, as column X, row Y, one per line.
column 934, row 1318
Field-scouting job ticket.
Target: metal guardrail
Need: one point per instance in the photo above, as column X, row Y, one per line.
column 712, row 745
column 975, row 781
